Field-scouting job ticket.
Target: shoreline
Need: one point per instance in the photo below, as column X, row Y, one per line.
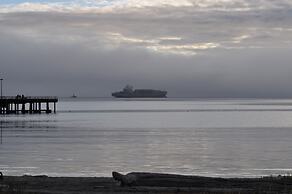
column 150, row 183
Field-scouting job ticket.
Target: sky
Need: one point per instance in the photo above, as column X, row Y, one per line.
column 191, row 48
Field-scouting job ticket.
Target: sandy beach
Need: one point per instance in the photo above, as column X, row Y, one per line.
column 168, row 184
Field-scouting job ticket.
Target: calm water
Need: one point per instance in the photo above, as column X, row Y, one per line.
column 93, row 137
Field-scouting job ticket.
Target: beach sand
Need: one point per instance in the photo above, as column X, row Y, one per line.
column 171, row 184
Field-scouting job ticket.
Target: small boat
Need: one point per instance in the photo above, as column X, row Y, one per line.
column 73, row 96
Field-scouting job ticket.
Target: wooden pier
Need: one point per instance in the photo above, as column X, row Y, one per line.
column 27, row 104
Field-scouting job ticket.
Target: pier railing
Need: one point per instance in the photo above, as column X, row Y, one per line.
column 29, row 97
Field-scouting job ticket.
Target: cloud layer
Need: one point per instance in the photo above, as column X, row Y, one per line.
column 114, row 5
column 195, row 48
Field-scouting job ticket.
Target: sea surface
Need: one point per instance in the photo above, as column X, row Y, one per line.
column 95, row 136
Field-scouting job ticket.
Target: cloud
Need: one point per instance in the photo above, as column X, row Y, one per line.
column 197, row 48
column 104, row 6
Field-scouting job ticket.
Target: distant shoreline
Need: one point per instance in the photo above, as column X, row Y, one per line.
column 174, row 184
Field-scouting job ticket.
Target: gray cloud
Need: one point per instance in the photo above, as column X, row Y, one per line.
column 236, row 49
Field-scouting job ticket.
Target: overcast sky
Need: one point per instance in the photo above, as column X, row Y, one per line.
column 191, row 48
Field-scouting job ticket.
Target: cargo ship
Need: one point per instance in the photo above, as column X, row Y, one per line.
column 129, row 92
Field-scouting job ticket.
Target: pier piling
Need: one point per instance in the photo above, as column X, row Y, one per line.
column 17, row 104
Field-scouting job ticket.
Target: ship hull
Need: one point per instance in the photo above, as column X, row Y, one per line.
column 141, row 94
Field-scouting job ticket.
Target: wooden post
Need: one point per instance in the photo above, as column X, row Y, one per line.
column 23, row 108
column 17, row 108
column 48, row 108
column 54, row 107
column 30, row 107
column 7, row 108
column 40, row 107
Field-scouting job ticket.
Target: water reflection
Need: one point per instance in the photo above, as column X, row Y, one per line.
column 24, row 126
column 28, row 124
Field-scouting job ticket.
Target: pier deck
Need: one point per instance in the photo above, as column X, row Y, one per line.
column 27, row 104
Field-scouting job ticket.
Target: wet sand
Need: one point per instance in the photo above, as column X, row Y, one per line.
column 168, row 184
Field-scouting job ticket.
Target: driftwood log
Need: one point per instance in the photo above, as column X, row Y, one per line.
column 165, row 180
column 271, row 185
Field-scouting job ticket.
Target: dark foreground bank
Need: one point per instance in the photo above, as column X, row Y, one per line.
column 145, row 183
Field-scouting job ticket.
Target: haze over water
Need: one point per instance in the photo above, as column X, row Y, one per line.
column 93, row 137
